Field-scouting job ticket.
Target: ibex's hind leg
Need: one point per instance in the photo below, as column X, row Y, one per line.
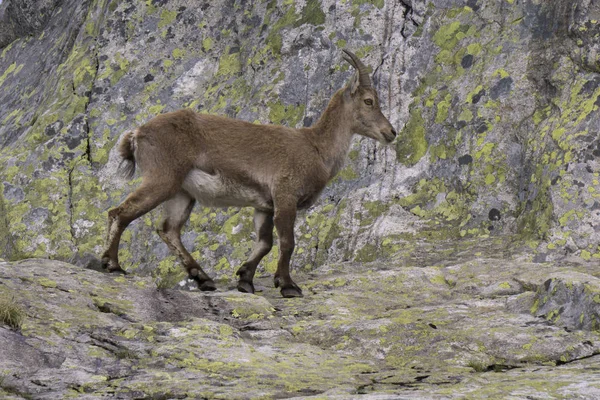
column 177, row 211
column 143, row 199
column 263, row 224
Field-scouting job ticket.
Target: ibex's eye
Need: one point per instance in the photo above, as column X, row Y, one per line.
column 369, row 102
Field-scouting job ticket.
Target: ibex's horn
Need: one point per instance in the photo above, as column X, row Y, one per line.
column 363, row 73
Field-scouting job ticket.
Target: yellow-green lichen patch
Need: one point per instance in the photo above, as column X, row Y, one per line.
column 6, row 49
column 504, row 285
column 45, row 194
column 84, row 74
column 412, row 145
column 229, row 64
column 239, row 226
column 156, row 109
column 47, row 283
column 12, row 69
column 15, row 115
column 474, row 49
column 466, row 115
column 207, row 44
column 438, row 279
column 376, row 3
column 369, row 252
column 249, row 306
column 166, row 18
column 7, row 246
column 555, row 146
column 449, row 35
column 269, row 263
column 321, row 230
column 347, row 174
column 311, row 13
column 178, row 53
column 372, row 211
column 442, row 207
column 474, row 92
column 537, row 221
column 168, row 273
column 289, row 115
column 443, row 107
column 167, row 63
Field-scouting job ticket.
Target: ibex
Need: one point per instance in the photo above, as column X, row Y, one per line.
column 185, row 156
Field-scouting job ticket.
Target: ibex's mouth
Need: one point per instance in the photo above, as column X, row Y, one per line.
column 389, row 136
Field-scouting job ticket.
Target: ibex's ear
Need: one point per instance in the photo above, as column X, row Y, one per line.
column 353, row 84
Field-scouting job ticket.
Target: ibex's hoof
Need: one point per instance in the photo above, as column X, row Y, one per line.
column 245, row 287
column 207, row 286
column 112, row 267
column 117, row 269
column 291, row 291
column 288, row 290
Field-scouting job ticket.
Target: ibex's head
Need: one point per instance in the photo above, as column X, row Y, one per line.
column 368, row 119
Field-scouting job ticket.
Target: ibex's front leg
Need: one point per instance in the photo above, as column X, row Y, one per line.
column 177, row 211
column 285, row 217
column 263, row 224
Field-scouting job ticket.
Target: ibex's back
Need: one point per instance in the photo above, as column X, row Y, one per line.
column 224, row 162
column 185, row 156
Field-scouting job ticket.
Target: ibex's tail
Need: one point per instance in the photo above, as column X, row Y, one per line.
column 126, row 150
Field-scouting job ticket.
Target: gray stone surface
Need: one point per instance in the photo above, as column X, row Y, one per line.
column 496, row 105
column 570, row 300
column 381, row 330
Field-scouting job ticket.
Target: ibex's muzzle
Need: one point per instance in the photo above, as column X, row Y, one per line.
column 389, row 135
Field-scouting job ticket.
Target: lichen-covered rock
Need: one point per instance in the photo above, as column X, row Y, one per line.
column 571, row 300
column 379, row 330
column 23, row 18
column 495, row 104
column 584, row 29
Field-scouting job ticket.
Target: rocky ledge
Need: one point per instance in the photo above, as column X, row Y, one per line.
column 459, row 322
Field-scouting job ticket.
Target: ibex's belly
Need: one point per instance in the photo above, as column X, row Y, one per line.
column 215, row 191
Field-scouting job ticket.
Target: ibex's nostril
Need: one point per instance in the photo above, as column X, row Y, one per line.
column 394, row 132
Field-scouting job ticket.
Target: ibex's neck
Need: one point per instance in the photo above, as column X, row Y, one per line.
column 332, row 134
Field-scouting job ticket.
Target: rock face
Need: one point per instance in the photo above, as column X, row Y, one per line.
column 471, row 245
column 495, row 104
column 382, row 330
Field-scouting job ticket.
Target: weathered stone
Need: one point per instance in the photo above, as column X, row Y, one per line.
column 472, row 86
column 380, row 329
column 571, row 300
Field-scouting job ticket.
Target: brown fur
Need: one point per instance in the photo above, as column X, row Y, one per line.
column 185, row 156
column 126, row 151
